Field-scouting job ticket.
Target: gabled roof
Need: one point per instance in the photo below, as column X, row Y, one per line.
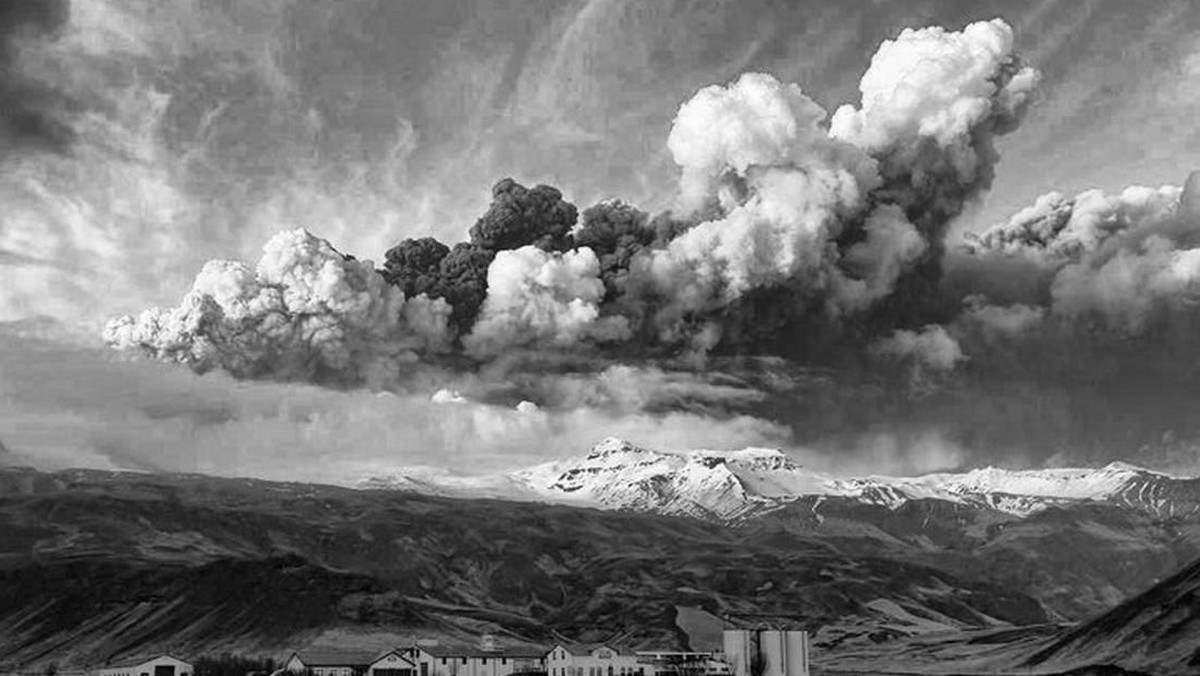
column 395, row 651
column 335, row 658
column 586, row 649
column 443, row 650
column 128, row 663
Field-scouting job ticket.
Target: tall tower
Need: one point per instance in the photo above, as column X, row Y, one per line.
column 766, row 652
column 739, row 651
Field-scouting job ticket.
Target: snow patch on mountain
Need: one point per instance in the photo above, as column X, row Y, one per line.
column 439, row 481
column 735, row 485
column 707, row 484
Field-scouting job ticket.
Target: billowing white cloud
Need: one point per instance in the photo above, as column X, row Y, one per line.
column 305, row 313
column 539, row 298
column 942, row 88
column 755, row 121
column 837, row 215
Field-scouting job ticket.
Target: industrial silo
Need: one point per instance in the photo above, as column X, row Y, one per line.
column 773, row 651
column 796, row 653
column 738, row 651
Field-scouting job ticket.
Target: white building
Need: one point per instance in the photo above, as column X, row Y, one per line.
column 392, row 663
column 683, row 663
column 592, row 660
column 608, row 660
column 163, row 665
column 330, row 662
column 487, row 659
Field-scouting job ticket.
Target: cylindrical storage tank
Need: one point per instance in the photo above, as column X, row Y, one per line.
column 771, row 647
column 736, row 643
column 797, row 653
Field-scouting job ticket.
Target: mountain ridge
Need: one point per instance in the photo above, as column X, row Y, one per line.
column 735, row 485
column 102, row 564
column 140, row 551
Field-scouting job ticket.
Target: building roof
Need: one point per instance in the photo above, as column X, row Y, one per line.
column 394, row 651
column 126, row 664
column 443, row 650
column 336, row 658
column 585, row 649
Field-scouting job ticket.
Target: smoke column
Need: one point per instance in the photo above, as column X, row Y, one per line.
column 808, row 219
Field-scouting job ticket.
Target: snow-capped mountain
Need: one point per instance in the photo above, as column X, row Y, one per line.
column 735, row 485
column 1027, row 491
column 706, row 484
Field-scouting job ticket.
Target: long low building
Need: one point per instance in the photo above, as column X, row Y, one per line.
column 350, row 663
column 596, row 659
column 757, row 652
column 486, row 659
column 163, row 665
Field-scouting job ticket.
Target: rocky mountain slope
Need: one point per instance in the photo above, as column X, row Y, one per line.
column 100, row 565
column 97, row 565
column 1157, row 632
column 1079, row 540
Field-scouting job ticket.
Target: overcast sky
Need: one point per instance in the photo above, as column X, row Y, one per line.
column 146, row 138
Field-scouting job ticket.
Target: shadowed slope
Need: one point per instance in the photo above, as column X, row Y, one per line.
column 1158, row 631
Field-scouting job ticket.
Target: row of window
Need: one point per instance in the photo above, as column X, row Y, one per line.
column 597, row 671
column 503, row 660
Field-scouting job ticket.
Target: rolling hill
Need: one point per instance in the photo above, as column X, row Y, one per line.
column 100, row 565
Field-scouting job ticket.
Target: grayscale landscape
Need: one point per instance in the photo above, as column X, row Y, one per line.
column 599, row 338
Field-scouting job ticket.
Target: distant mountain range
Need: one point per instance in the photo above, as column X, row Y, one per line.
column 99, row 565
column 731, row 486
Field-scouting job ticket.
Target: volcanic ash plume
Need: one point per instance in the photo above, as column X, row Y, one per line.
column 1118, row 258
column 518, row 217
column 838, row 216
column 756, row 121
column 1100, row 287
column 305, row 313
column 931, row 347
column 932, row 103
column 788, row 222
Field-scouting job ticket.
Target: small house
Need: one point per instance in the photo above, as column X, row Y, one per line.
column 391, row 663
column 330, row 662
